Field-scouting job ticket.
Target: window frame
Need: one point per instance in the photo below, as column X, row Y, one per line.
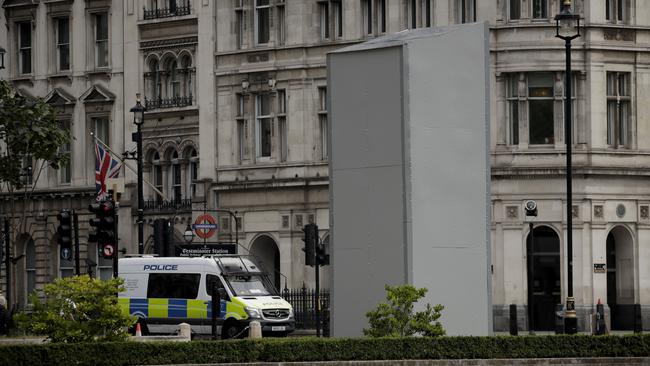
column 65, row 170
column 97, row 42
column 510, row 10
column 281, row 117
column 60, row 44
column 540, row 100
column 465, row 11
column 617, row 11
column 25, row 53
column 323, row 122
column 618, row 131
column 544, row 8
column 260, row 12
column 261, row 119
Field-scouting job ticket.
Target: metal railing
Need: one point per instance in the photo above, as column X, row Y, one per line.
column 172, row 11
column 168, row 102
column 303, row 301
column 164, row 206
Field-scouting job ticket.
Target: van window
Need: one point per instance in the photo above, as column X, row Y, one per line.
column 173, row 285
column 210, row 280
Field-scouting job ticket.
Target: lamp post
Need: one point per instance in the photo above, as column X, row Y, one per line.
column 188, row 235
column 567, row 27
column 2, row 58
column 138, row 119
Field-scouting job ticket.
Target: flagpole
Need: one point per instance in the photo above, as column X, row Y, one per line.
column 123, row 161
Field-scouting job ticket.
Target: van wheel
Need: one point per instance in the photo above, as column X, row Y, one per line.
column 230, row 331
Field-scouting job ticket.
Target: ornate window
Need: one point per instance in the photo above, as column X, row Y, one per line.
column 618, row 109
column 322, row 119
column 172, row 87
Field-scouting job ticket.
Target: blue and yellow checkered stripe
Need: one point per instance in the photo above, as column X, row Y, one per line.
column 169, row 308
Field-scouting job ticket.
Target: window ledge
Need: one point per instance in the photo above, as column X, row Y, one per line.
column 61, row 75
column 105, row 71
column 27, row 78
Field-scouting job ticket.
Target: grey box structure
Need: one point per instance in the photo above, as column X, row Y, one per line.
column 409, row 175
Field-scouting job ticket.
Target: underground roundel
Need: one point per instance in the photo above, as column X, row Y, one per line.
column 205, row 226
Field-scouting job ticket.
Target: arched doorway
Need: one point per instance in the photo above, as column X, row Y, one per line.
column 620, row 278
column 544, row 283
column 268, row 254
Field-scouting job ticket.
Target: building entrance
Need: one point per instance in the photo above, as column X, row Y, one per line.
column 267, row 252
column 620, row 278
column 544, row 287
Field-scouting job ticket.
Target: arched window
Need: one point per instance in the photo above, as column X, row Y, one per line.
column 156, row 175
column 176, row 185
column 193, row 172
column 156, row 86
column 186, row 64
column 174, row 87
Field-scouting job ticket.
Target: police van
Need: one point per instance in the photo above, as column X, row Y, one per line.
column 163, row 292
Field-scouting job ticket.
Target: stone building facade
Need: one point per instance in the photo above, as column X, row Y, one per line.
column 237, row 118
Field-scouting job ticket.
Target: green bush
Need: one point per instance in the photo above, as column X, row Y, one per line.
column 395, row 317
column 315, row 349
column 77, row 309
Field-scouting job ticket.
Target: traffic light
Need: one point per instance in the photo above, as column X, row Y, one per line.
column 322, row 258
column 64, row 232
column 104, row 224
column 311, row 241
column 163, row 240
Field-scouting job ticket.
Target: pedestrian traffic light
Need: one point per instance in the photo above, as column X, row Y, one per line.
column 64, row 232
column 311, row 241
column 104, row 224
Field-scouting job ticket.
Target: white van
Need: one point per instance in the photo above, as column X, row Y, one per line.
column 166, row 291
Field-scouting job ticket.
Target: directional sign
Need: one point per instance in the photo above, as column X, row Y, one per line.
column 194, row 250
column 66, row 253
column 205, row 226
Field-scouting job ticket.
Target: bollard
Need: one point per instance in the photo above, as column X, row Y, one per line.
column 638, row 319
column 513, row 320
column 601, row 328
column 255, row 330
column 186, row 331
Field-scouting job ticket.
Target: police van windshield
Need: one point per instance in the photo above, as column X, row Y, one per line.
column 250, row 285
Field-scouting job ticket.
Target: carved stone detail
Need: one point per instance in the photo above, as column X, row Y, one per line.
column 575, row 211
column 598, row 211
column 512, row 212
column 645, row 212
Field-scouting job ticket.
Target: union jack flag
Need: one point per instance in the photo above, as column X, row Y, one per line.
column 105, row 167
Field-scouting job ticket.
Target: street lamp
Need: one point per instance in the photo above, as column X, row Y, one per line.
column 567, row 27
column 2, row 58
column 138, row 119
column 188, row 235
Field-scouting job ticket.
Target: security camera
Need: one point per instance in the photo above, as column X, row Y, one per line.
column 531, row 208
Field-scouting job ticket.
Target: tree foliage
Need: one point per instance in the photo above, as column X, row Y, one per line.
column 395, row 318
column 27, row 129
column 78, row 309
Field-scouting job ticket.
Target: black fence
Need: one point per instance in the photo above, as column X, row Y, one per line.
column 303, row 301
column 183, row 8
